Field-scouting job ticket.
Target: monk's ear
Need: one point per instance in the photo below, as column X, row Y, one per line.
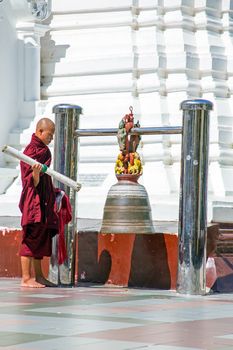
column 39, row 132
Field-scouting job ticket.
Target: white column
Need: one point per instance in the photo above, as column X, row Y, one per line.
column 29, row 55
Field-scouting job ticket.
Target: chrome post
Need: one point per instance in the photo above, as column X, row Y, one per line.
column 65, row 162
column 192, row 229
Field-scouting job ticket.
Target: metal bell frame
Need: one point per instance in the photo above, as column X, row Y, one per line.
column 192, row 230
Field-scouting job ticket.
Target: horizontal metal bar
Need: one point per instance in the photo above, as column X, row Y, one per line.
column 134, row 131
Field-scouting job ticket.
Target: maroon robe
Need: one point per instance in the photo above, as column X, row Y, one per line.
column 39, row 218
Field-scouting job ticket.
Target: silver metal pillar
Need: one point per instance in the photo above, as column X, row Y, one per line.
column 192, row 230
column 65, row 162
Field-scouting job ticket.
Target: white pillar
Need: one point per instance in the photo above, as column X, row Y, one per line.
column 29, row 56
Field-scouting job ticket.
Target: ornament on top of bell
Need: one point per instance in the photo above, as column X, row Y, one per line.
column 127, row 207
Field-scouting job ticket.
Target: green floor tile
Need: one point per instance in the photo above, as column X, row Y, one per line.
column 12, row 338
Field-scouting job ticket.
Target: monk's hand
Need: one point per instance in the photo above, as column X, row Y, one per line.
column 36, row 169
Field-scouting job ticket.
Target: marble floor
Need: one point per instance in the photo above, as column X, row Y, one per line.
column 92, row 317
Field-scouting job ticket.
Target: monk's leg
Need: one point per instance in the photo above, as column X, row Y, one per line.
column 27, row 280
column 39, row 274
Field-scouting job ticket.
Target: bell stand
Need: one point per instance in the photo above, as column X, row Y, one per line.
column 192, row 228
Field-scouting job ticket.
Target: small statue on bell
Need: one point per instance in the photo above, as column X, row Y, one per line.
column 128, row 160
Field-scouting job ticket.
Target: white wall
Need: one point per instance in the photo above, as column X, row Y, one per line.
column 8, row 72
column 151, row 54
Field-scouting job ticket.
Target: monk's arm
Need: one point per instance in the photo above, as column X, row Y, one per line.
column 36, row 169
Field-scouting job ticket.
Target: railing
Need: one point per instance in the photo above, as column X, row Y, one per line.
column 133, row 131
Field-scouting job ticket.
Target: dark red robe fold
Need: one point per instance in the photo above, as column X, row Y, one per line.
column 39, row 218
column 64, row 211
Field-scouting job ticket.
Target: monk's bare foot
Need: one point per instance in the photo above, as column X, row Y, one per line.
column 31, row 283
column 45, row 282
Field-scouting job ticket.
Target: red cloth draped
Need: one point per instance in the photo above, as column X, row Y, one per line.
column 65, row 216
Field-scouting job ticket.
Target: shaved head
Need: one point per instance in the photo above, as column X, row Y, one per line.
column 45, row 129
column 44, row 123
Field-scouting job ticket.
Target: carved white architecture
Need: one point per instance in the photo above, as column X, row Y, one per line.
column 105, row 56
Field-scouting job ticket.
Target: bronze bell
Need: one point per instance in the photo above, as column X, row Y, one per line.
column 127, row 208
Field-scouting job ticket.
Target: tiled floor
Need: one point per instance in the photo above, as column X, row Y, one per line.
column 111, row 318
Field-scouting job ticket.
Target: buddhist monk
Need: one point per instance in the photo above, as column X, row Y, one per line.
column 39, row 218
